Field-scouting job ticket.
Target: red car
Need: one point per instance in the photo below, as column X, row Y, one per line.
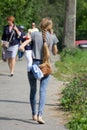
column 81, row 43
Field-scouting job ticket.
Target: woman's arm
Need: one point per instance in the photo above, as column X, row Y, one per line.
column 54, row 49
column 21, row 47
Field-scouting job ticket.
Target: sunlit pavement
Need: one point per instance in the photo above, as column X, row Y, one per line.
column 15, row 111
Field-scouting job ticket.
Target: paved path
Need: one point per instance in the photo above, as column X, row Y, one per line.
column 15, row 112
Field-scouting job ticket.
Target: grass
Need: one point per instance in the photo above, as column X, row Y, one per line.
column 73, row 68
column 72, row 63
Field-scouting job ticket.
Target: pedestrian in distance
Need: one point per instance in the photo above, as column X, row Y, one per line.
column 26, row 48
column 21, row 53
column 11, row 31
column 33, row 28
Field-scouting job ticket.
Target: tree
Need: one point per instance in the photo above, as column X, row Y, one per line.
column 70, row 24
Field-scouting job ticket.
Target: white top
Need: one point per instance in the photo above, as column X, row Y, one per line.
column 33, row 30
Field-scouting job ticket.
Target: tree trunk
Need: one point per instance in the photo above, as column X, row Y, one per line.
column 70, row 24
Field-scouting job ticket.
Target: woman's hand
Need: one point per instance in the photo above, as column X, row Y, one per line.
column 17, row 30
column 21, row 48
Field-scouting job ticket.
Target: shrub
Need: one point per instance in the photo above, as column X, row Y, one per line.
column 74, row 99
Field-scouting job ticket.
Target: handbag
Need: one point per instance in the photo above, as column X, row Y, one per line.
column 4, row 55
column 45, row 68
column 5, row 44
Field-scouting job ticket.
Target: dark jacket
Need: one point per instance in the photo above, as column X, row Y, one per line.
column 6, row 36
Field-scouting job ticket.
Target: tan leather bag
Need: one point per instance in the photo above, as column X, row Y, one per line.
column 46, row 68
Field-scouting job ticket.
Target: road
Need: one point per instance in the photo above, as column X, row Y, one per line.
column 15, row 111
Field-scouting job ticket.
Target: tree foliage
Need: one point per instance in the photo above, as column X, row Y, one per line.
column 27, row 11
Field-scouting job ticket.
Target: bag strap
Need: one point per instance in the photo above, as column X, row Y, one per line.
column 11, row 36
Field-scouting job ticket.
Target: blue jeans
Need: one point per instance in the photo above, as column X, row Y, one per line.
column 20, row 54
column 42, row 92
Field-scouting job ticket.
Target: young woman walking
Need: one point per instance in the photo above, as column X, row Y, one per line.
column 38, row 39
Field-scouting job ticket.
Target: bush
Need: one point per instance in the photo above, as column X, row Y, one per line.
column 74, row 99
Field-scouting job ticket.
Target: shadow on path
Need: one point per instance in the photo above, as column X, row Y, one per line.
column 13, row 101
column 4, row 75
column 21, row 120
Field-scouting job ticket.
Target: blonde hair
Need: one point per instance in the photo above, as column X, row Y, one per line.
column 46, row 25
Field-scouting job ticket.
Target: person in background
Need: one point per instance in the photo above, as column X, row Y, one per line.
column 37, row 38
column 28, row 53
column 23, row 34
column 11, row 51
column 33, row 29
column 26, row 48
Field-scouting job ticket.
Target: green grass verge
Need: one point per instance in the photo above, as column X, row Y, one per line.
column 73, row 68
column 72, row 63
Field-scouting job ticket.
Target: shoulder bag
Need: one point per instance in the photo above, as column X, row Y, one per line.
column 5, row 44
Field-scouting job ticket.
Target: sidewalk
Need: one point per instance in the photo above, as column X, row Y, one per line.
column 15, row 111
